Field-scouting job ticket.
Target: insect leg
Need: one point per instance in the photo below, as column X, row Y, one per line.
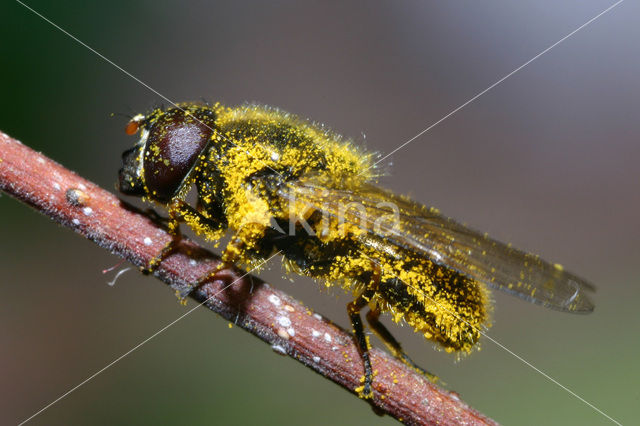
column 173, row 227
column 373, row 318
column 180, row 211
column 235, row 252
column 362, row 340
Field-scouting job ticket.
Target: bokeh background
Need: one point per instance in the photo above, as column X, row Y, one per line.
column 547, row 160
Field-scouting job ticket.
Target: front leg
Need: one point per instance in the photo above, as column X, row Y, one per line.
column 180, row 211
column 173, row 228
column 238, row 251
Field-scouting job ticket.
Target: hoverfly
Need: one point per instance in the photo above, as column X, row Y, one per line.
column 279, row 183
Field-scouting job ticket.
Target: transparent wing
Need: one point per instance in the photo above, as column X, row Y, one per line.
column 412, row 226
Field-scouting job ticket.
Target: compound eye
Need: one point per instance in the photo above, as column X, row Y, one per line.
column 173, row 146
column 132, row 127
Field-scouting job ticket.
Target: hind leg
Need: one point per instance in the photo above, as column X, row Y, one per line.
column 362, row 341
column 373, row 318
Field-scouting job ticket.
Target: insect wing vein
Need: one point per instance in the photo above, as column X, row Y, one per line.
column 425, row 231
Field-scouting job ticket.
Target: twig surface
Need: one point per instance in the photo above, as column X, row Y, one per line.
column 289, row 327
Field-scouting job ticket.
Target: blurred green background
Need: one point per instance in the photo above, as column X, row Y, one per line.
column 548, row 160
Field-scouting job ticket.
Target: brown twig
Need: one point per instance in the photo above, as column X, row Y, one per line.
column 285, row 324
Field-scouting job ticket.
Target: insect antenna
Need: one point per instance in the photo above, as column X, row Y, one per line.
column 121, row 114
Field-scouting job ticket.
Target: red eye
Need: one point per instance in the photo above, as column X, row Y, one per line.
column 132, row 127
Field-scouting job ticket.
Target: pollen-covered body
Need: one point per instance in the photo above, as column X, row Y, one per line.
column 279, row 184
column 437, row 302
column 257, row 152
